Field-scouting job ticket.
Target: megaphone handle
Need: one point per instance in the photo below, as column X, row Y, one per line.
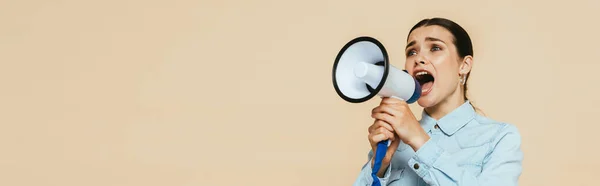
column 382, row 147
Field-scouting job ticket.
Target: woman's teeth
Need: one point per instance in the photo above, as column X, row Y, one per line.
column 421, row 73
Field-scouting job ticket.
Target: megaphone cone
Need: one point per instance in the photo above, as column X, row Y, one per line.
column 362, row 70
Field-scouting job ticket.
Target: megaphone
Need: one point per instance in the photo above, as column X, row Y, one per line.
column 361, row 71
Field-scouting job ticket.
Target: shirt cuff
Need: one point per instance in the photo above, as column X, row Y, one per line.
column 369, row 178
column 425, row 157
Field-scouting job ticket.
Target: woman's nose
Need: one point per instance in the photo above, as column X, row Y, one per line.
column 420, row 60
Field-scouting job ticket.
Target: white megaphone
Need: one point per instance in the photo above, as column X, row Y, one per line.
column 362, row 70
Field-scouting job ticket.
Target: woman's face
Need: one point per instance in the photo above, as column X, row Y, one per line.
column 432, row 58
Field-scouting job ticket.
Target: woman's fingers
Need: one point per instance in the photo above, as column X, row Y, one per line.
column 380, row 123
column 389, row 109
column 376, row 138
column 381, row 134
column 389, row 119
column 389, row 134
column 394, row 144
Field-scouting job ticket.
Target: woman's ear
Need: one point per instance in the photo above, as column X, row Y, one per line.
column 466, row 65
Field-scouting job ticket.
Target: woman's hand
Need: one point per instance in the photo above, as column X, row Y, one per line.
column 396, row 113
column 379, row 131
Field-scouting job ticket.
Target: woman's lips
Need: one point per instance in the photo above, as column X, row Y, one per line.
column 426, row 88
column 423, row 75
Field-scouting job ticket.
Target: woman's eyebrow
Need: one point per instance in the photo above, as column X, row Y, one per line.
column 434, row 39
column 410, row 44
column 426, row 39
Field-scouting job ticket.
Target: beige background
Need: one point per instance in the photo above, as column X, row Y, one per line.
column 181, row 93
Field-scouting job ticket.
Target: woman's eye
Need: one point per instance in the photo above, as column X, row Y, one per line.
column 410, row 53
column 435, row 48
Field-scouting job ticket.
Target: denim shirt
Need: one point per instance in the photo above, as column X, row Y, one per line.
column 465, row 149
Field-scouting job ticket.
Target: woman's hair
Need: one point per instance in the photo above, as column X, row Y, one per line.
column 462, row 41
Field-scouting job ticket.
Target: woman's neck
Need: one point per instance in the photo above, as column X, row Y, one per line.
column 446, row 106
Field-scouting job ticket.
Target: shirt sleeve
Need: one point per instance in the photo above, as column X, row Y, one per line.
column 365, row 178
column 501, row 167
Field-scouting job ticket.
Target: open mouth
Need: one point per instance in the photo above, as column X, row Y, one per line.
column 426, row 80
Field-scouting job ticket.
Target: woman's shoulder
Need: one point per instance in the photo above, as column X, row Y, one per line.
column 480, row 120
column 484, row 130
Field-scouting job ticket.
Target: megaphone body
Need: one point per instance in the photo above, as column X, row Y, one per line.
column 398, row 84
column 361, row 71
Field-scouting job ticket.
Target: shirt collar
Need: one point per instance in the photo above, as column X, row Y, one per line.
column 452, row 121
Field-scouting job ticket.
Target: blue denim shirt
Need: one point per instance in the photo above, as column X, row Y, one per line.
column 465, row 149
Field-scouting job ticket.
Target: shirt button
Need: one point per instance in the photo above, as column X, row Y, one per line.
column 416, row 166
column 436, row 126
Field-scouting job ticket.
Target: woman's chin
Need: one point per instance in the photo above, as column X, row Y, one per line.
column 426, row 101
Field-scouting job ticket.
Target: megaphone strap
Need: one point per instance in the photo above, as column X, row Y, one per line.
column 382, row 147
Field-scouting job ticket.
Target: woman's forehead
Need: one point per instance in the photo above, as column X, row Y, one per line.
column 433, row 31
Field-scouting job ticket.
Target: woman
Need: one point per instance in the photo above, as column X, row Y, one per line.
column 451, row 144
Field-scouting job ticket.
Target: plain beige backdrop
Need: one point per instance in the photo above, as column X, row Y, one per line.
column 182, row 93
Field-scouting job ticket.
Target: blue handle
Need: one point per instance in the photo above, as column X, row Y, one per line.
column 382, row 147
